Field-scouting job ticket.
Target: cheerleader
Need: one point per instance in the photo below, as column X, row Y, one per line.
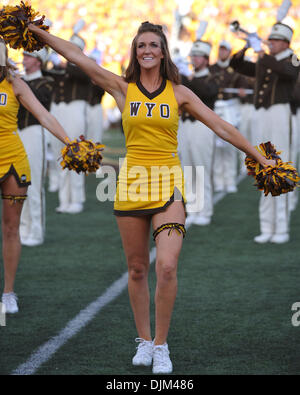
column 150, row 187
column 14, row 166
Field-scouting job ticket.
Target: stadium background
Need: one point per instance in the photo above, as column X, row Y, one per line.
column 233, row 310
column 111, row 25
column 115, row 22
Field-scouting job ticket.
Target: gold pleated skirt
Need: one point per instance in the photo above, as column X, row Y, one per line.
column 148, row 183
column 13, row 159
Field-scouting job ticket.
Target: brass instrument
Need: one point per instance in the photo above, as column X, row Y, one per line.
column 235, row 27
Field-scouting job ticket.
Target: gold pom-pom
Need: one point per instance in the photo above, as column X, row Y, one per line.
column 278, row 179
column 14, row 21
column 83, row 156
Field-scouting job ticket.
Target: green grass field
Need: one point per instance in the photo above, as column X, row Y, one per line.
column 233, row 310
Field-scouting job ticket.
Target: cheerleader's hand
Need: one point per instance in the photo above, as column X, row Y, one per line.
column 268, row 162
column 271, row 174
column 33, row 28
column 14, row 27
column 81, row 155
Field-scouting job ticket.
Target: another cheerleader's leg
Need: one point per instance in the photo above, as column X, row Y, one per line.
column 13, row 196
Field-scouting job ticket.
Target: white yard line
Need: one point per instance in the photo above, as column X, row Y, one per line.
column 45, row 352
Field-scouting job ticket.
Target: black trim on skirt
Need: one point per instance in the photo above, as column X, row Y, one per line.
column 12, row 171
column 150, row 211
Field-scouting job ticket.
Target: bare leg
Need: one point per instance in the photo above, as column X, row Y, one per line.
column 167, row 253
column 11, row 246
column 135, row 238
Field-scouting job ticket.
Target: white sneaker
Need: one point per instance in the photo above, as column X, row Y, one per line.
column 10, row 301
column 219, row 189
column 31, row 242
column 75, row 208
column 263, row 238
column 23, row 239
column 143, row 356
column 231, row 189
column 161, row 360
column 280, row 238
column 53, row 188
column 62, row 209
column 189, row 219
column 201, row 220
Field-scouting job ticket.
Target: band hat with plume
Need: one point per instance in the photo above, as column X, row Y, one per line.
column 200, row 48
column 225, row 44
column 201, row 30
column 79, row 25
column 78, row 41
column 42, row 54
column 280, row 31
column 2, row 53
column 283, row 10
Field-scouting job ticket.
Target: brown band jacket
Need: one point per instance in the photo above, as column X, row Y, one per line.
column 274, row 79
column 204, row 87
column 42, row 89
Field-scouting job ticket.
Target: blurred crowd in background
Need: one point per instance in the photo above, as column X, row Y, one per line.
column 111, row 25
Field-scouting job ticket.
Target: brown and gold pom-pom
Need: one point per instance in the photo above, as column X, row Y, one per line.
column 83, row 156
column 14, row 21
column 278, row 179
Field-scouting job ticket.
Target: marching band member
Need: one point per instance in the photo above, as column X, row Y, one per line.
column 276, row 75
column 227, row 107
column 94, row 113
column 32, row 226
column 196, row 140
column 246, row 109
column 69, row 107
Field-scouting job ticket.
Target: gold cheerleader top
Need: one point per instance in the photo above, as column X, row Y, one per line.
column 13, row 158
column 150, row 120
column 9, row 107
column 151, row 174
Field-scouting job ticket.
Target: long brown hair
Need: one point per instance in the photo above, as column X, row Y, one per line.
column 7, row 71
column 168, row 69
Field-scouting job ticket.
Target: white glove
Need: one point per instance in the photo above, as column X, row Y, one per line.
column 183, row 69
column 255, row 42
column 54, row 58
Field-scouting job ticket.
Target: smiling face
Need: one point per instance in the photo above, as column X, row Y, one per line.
column 148, row 50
